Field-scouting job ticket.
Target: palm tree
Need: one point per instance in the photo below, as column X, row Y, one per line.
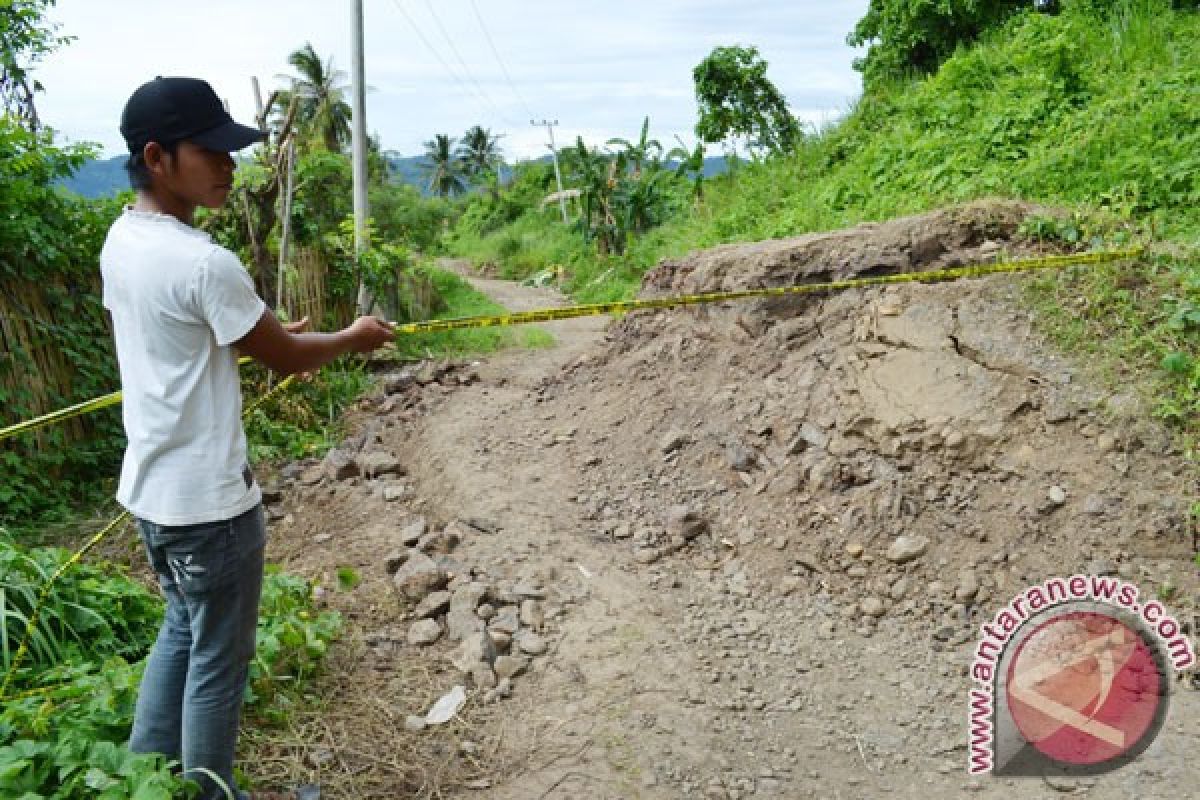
column 479, row 152
column 322, row 112
column 443, row 167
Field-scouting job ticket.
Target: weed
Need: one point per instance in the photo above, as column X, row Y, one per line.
column 348, row 578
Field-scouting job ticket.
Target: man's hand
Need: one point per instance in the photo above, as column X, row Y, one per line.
column 370, row 333
column 297, row 327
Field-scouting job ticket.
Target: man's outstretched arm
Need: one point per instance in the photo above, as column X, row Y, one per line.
column 270, row 343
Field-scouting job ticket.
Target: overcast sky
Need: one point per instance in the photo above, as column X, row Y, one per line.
column 597, row 68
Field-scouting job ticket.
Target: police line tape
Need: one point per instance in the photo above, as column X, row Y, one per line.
column 31, row 623
column 931, row 276
column 595, row 309
column 78, row 410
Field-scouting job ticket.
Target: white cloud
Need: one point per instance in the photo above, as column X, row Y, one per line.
column 598, row 68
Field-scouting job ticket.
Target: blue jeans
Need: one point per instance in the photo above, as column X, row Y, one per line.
column 190, row 702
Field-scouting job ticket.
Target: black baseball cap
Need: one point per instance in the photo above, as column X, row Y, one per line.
column 168, row 110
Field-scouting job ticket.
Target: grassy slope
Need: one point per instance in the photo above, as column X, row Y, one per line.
column 1099, row 116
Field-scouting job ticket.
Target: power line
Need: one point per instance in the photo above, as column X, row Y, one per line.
column 466, row 70
column 429, row 46
column 499, row 60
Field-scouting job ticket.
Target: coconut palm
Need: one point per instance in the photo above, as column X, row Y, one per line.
column 479, row 152
column 322, row 113
column 443, row 167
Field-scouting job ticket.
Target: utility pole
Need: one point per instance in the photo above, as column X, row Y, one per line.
column 562, row 201
column 358, row 146
column 289, row 156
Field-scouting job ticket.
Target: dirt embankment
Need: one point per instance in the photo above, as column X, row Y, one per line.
column 733, row 551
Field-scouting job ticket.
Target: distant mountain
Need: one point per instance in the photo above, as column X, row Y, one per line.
column 411, row 170
column 99, row 178
column 105, row 177
column 715, row 165
column 407, row 169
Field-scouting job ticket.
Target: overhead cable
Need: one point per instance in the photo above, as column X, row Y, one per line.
column 500, row 61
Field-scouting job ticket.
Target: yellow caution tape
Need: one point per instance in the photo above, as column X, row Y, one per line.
column 78, row 410
column 62, row 414
column 31, row 623
column 593, row 309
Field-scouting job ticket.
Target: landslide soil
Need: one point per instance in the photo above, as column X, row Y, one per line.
column 701, row 502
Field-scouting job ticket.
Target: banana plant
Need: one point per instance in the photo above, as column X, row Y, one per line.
column 646, row 151
column 598, row 176
column 690, row 166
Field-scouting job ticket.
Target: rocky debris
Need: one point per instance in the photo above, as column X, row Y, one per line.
column 476, row 648
column 418, row 575
column 873, row 607
column 530, row 643
column 674, row 440
column 433, row 604
column 740, row 457
column 424, row 632
column 531, row 615
column 376, row 463
column 412, row 531
column 685, row 523
column 907, row 548
column 443, row 541
column 509, row 666
column 340, row 465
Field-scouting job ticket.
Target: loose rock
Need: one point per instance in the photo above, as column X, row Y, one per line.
column 907, row 548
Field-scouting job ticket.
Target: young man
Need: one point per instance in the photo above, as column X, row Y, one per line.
column 180, row 305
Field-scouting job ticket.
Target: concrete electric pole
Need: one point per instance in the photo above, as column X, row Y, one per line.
column 562, row 201
column 358, row 147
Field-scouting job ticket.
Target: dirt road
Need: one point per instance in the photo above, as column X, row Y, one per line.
column 704, row 596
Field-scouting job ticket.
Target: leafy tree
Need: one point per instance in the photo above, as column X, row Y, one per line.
column 49, row 244
column 322, row 113
column 25, row 38
column 443, row 166
column 736, row 99
column 915, row 36
column 401, row 214
column 479, row 153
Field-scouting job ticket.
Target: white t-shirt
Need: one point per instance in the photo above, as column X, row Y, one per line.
column 178, row 301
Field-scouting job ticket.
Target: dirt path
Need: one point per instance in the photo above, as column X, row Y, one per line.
column 750, row 654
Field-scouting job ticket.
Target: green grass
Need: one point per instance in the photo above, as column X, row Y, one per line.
column 304, row 419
